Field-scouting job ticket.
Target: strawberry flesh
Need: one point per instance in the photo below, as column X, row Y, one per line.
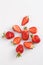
column 25, row 20
column 16, row 28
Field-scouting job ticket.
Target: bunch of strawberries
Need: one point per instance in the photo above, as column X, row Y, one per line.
column 25, row 35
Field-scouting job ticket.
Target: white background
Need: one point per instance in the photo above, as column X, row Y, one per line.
column 12, row 12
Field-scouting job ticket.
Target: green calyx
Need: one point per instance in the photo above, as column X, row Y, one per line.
column 3, row 35
column 31, row 35
column 13, row 43
column 18, row 55
column 25, row 28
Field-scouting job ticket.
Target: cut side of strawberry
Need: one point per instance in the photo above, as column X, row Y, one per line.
column 16, row 40
column 16, row 28
column 25, row 20
column 29, row 45
column 33, row 30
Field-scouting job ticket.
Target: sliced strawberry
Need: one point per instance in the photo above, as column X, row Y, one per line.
column 28, row 45
column 16, row 28
column 35, row 39
column 16, row 40
column 25, row 20
column 33, row 30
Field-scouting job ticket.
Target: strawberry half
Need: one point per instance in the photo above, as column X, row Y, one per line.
column 28, row 45
column 16, row 28
column 16, row 40
column 33, row 30
column 25, row 20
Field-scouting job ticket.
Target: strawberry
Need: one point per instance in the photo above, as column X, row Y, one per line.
column 19, row 50
column 35, row 39
column 25, row 34
column 33, row 30
column 8, row 35
column 28, row 45
column 16, row 40
column 16, row 28
column 25, row 20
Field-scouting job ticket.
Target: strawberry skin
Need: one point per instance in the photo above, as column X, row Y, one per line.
column 25, row 20
column 35, row 39
column 28, row 45
column 16, row 40
column 16, row 28
column 33, row 30
column 20, row 48
column 25, row 34
column 9, row 35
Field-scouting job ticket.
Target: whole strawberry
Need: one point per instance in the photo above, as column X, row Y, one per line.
column 8, row 35
column 19, row 50
column 25, row 34
column 35, row 39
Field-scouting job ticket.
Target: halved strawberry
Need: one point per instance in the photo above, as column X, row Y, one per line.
column 16, row 40
column 28, row 45
column 16, row 28
column 33, row 30
column 25, row 20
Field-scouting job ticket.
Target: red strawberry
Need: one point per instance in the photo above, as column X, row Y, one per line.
column 19, row 50
column 25, row 20
column 16, row 28
column 33, row 30
column 8, row 35
column 35, row 39
column 16, row 40
column 25, row 34
column 28, row 45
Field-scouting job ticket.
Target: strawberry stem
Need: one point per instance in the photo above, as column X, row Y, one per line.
column 13, row 43
column 31, row 35
column 18, row 54
column 25, row 28
column 3, row 35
